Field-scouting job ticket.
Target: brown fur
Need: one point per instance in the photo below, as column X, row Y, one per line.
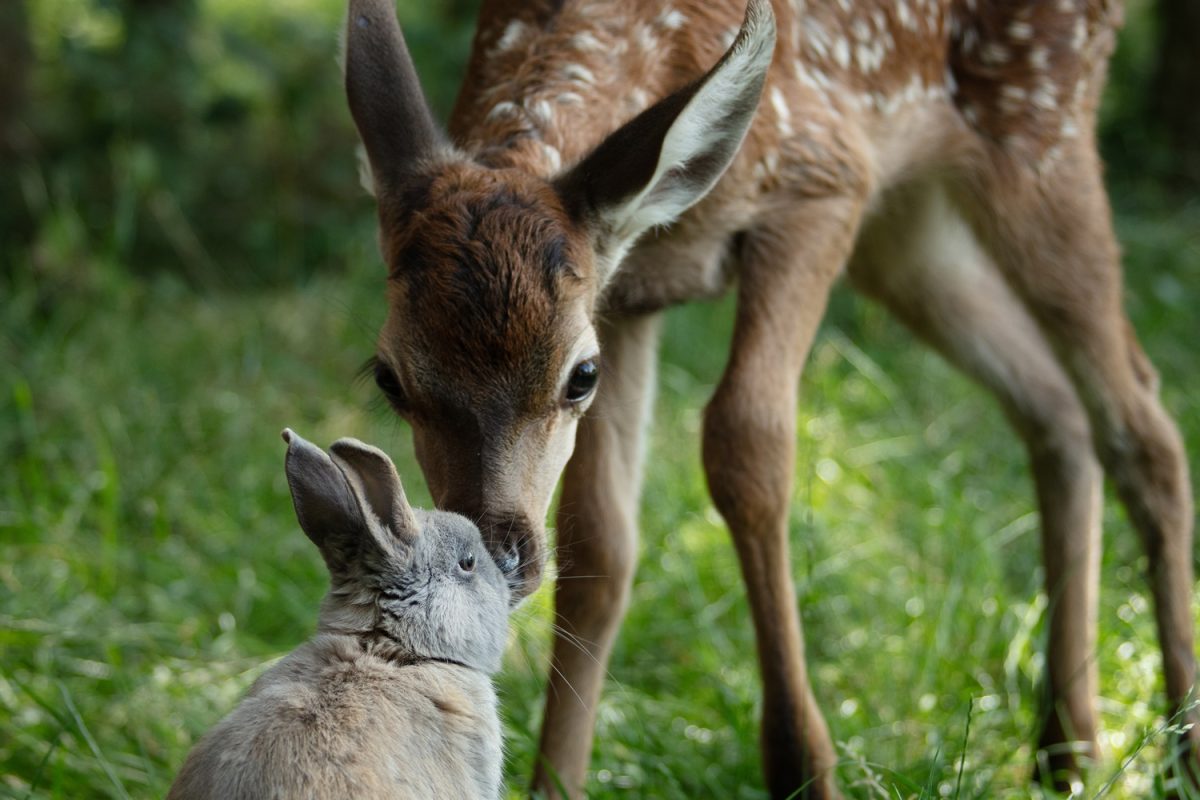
column 939, row 152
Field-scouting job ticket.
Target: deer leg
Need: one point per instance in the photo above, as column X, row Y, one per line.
column 597, row 548
column 924, row 262
column 1062, row 256
column 749, row 453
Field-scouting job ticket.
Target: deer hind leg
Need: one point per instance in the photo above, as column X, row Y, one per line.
column 1054, row 232
column 922, row 260
column 749, row 453
column 597, row 548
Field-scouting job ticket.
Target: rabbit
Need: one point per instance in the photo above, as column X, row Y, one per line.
column 392, row 698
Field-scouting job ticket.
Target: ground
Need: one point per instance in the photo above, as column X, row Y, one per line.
column 151, row 566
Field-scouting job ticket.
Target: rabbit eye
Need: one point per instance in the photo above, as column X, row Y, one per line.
column 467, row 563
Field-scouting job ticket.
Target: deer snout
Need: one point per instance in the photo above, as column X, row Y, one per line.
column 518, row 548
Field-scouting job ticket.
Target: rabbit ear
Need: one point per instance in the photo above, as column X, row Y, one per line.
column 329, row 513
column 374, row 478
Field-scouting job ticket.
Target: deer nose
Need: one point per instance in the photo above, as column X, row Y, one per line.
column 509, row 559
column 517, row 547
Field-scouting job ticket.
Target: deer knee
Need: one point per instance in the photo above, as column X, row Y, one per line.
column 748, row 453
column 597, row 555
column 1144, row 456
column 1058, row 432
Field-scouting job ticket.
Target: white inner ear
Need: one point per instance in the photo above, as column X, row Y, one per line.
column 703, row 126
column 365, row 177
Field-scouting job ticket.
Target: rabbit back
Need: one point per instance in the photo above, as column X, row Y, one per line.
column 334, row 721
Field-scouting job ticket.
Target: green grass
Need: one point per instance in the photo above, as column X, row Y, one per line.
column 150, row 564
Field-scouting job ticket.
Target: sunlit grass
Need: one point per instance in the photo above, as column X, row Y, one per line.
column 150, row 565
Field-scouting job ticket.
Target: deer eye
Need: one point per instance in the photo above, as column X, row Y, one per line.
column 582, row 382
column 467, row 563
column 388, row 383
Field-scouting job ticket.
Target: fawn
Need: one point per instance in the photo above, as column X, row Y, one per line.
column 941, row 154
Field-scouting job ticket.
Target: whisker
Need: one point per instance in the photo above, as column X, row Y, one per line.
column 570, row 686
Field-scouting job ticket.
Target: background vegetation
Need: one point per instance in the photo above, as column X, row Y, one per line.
column 187, row 265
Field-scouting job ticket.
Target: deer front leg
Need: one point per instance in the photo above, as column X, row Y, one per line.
column 597, row 548
column 749, row 451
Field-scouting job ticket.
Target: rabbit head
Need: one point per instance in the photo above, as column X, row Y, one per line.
column 421, row 579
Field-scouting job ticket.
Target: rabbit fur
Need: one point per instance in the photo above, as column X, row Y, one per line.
column 392, row 698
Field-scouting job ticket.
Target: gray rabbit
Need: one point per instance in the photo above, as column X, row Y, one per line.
column 392, row 698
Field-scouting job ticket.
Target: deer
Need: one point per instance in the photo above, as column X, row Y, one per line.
column 608, row 159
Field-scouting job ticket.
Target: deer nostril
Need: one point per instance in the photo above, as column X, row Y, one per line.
column 509, row 559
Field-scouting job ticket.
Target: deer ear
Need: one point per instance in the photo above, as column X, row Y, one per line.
column 384, row 93
column 329, row 513
column 375, row 481
column 662, row 161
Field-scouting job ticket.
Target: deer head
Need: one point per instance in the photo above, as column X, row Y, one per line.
column 489, row 350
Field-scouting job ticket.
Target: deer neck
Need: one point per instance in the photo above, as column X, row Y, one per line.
column 544, row 85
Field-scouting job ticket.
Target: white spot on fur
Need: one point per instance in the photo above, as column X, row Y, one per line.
column 1079, row 35
column 869, row 58
column 569, row 99
column 817, row 37
column 782, row 112
column 1012, row 99
column 1043, row 98
column 713, row 122
column 841, row 52
column 586, row 42
column 1020, row 31
column 579, row 73
column 880, row 22
column 771, row 162
column 646, row 38
column 994, row 53
column 1039, row 58
column 671, row 19
column 553, row 157
column 512, row 35
column 542, row 113
column 950, row 82
column 503, row 109
column 970, row 40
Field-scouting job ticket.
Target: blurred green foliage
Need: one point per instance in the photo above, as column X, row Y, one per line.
column 1134, row 147
column 206, row 138
column 155, row 154
column 209, row 139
